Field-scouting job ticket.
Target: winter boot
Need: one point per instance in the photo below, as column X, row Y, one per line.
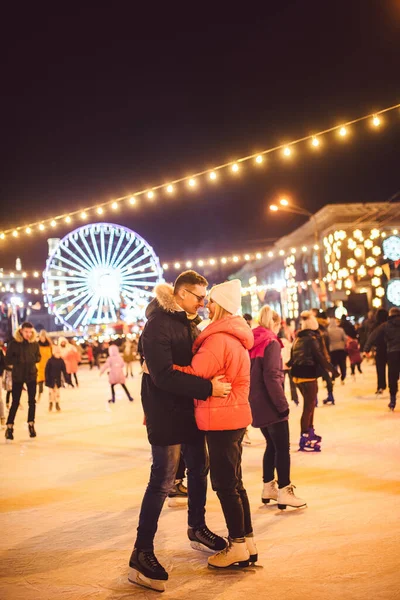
column 50, row 406
column 235, row 554
column 392, row 403
column 145, row 570
column 252, row 548
column 286, row 498
column 205, row 540
column 270, row 492
column 10, row 432
column 313, row 436
column 178, row 495
column 329, row 400
column 58, row 406
column 308, row 445
column 32, row 432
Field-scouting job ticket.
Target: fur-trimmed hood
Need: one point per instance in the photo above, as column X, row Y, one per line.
column 164, row 299
column 18, row 336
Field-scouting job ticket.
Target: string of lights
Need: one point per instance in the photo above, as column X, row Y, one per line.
column 287, row 150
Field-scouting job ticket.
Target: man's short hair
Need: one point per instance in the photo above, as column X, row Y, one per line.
column 394, row 312
column 26, row 325
column 247, row 317
column 189, row 278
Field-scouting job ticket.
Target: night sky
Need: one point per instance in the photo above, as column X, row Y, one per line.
column 97, row 104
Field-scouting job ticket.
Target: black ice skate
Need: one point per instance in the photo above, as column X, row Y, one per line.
column 9, row 433
column 32, row 432
column 392, row 403
column 145, row 570
column 205, row 540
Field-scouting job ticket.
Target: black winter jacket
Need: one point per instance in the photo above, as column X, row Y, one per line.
column 167, row 394
column 54, row 368
column 388, row 333
column 23, row 356
column 377, row 339
column 307, row 357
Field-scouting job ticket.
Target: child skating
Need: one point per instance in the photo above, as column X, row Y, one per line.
column 115, row 366
column 54, row 368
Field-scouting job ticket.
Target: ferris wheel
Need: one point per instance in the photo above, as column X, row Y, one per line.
column 100, row 273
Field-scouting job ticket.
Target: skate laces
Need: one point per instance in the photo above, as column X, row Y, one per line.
column 291, row 489
column 207, row 534
column 151, row 560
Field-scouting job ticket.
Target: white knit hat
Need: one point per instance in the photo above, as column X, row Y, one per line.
column 308, row 320
column 228, row 295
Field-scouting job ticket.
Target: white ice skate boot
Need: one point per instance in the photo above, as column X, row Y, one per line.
column 252, row 548
column 236, row 554
column 286, row 498
column 270, row 492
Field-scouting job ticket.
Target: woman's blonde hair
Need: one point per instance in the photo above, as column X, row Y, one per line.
column 219, row 313
column 43, row 333
column 268, row 317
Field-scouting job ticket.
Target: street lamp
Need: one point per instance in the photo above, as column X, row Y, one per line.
column 287, row 206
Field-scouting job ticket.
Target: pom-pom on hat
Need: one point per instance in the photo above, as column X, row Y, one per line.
column 308, row 320
column 228, row 295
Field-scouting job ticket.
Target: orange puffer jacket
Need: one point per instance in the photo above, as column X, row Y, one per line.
column 222, row 349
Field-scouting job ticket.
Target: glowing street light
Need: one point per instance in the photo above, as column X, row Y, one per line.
column 284, row 202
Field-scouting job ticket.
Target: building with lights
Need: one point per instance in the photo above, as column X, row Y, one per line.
column 347, row 257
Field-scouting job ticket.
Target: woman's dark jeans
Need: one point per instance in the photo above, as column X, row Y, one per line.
column 277, row 453
column 225, row 451
column 309, row 390
column 381, row 360
column 339, row 358
column 162, row 478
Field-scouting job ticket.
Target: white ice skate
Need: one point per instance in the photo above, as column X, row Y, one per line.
column 270, row 492
column 286, row 497
column 252, row 548
column 236, row 554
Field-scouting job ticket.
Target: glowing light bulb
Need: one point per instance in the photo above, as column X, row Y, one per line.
column 224, row 260
column 213, row 175
column 99, row 211
column 15, row 233
column 2, row 236
column 132, row 200
column 270, row 254
column 212, row 261
column 235, row 259
column 150, row 195
column 53, row 223
column 36, row 274
column 165, row 266
column 192, row 182
column 83, row 215
column 343, row 131
column 315, row 142
column 258, row 255
column 304, row 248
column 68, row 219
column 376, row 121
column 189, row 264
column 235, row 168
column 41, row 227
column 287, row 151
column 259, row 159
column 200, row 263
column 281, row 252
column 246, row 257
column 283, row 202
column 293, row 250
column 114, row 205
column 28, row 230
column 177, row 265
column 24, row 274
column 170, row 189
column 273, row 207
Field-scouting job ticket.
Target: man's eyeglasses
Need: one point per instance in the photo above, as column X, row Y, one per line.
column 199, row 298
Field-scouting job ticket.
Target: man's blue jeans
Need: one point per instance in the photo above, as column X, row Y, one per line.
column 162, row 478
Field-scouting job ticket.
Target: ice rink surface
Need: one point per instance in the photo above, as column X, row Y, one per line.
column 70, row 500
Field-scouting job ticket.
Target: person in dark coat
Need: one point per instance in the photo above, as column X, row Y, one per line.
column 55, row 367
column 168, row 404
column 22, row 354
column 270, row 409
column 323, row 323
column 377, row 339
column 306, row 361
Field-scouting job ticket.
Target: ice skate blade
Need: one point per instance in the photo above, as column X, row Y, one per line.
column 253, row 558
column 283, row 506
column 267, row 500
column 177, row 502
column 241, row 564
column 140, row 579
column 202, row 548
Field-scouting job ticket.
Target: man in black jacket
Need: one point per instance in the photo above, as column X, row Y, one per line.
column 167, row 398
column 22, row 354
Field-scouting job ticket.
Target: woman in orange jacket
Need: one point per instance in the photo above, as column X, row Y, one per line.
column 222, row 349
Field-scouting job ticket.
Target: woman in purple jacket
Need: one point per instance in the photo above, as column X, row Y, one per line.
column 270, row 409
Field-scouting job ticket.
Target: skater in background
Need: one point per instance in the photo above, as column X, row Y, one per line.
column 89, row 354
column 115, row 367
column 129, row 354
column 306, row 360
column 353, row 350
column 285, row 353
column 97, row 351
column 54, row 370
column 337, row 348
column 270, row 409
column 376, row 339
column 2, row 369
column 178, row 495
column 45, row 349
column 71, row 356
column 23, row 354
column 222, row 348
column 323, row 323
column 7, row 383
